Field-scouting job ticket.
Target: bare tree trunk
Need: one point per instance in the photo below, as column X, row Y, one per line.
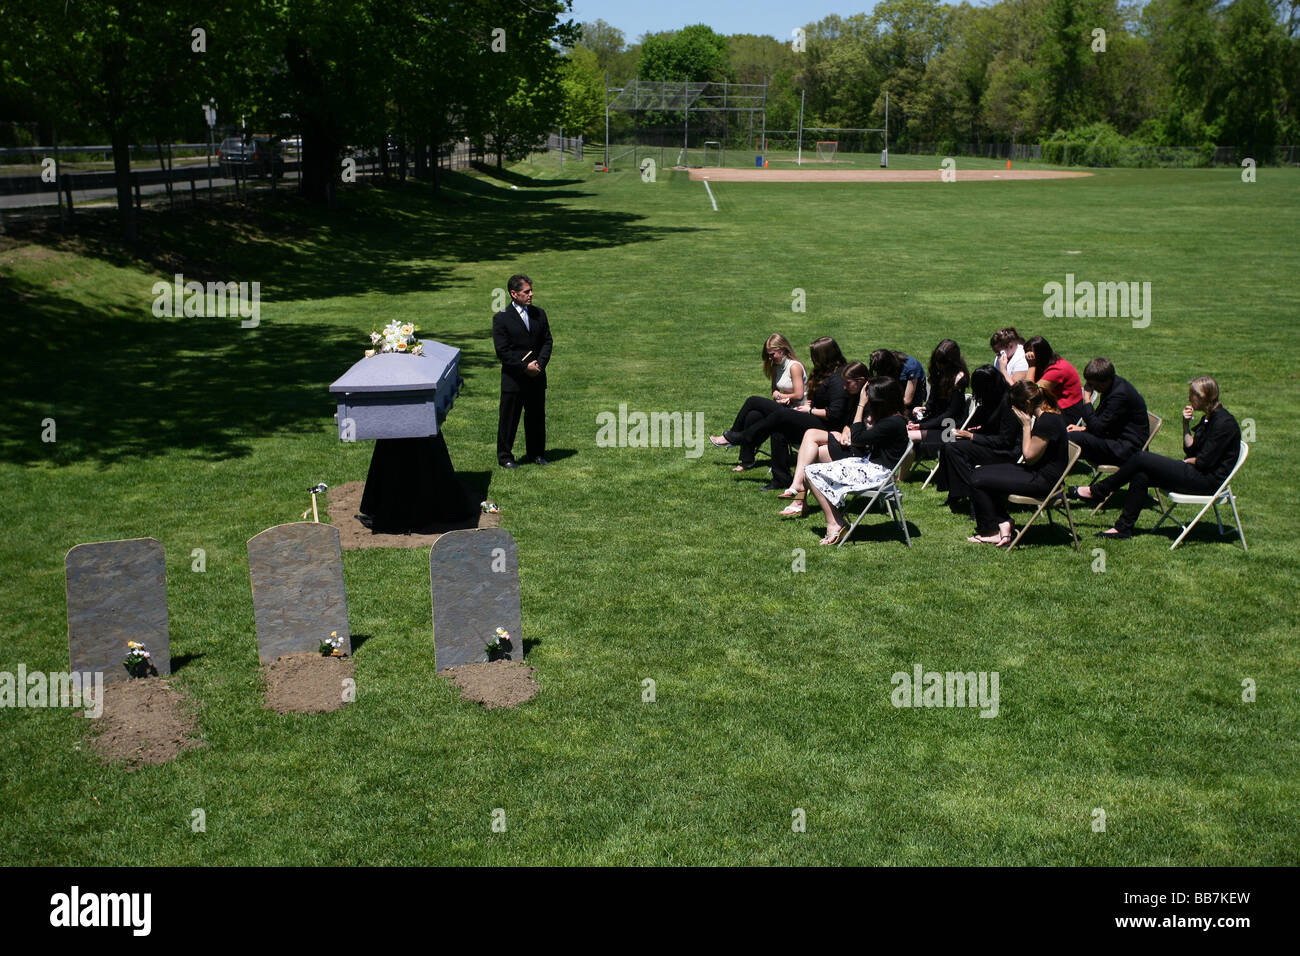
column 121, row 141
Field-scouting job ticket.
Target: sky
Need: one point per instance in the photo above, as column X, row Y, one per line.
column 772, row 17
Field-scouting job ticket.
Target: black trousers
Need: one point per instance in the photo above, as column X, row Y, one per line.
column 958, row 461
column 755, row 409
column 1145, row 469
column 1072, row 415
column 532, row 404
column 785, row 427
column 990, row 485
column 1101, row 451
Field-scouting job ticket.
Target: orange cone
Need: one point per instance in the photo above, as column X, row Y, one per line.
column 1008, row 164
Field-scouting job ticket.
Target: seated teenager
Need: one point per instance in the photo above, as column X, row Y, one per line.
column 946, row 406
column 821, row 445
column 992, row 436
column 886, row 363
column 1056, row 375
column 827, row 359
column 875, row 448
column 1119, row 426
column 1045, row 448
column 786, row 374
column 1009, row 355
column 828, row 409
column 1212, row 448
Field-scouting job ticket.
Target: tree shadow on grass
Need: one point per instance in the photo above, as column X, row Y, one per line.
column 396, row 239
column 120, row 383
column 518, row 179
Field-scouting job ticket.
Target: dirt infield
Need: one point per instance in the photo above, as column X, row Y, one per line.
column 873, row 175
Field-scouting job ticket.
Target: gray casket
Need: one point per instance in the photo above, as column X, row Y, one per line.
column 391, row 395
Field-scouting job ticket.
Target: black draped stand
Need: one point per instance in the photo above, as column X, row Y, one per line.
column 412, row 485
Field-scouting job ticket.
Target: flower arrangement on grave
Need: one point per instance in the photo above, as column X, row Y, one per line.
column 332, row 646
column 138, row 660
column 395, row 337
column 499, row 644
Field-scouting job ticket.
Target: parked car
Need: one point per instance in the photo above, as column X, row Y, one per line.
column 257, row 157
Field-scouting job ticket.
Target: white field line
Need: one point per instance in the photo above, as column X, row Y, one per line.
column 710, row 192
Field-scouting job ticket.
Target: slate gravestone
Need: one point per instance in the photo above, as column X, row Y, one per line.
column 117, row 592
column 298, row 597
column 475, row 581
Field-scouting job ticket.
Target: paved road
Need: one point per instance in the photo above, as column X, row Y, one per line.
column 79, row 196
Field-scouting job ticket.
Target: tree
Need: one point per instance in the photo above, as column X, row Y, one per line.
column 605, row 41
column 692, row 53
column 1247, row 102
column 583, row 84
column 128, row 67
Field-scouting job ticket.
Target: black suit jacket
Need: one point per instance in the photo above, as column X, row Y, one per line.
column 513, row 342
column 1121, row 415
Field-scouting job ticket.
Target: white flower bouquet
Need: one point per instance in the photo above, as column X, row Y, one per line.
column 395, row 337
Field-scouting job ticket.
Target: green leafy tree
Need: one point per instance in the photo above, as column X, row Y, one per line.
column 583, row 85
column 692, row 53
column 127, row 68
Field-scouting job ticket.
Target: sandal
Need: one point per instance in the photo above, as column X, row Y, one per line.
column 791, row 493
column 796, row 509
column 837, row 537
column 745, row 467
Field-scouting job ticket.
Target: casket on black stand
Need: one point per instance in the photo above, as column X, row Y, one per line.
column 401, row 401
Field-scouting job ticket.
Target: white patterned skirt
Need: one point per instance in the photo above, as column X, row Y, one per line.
column 837, row 479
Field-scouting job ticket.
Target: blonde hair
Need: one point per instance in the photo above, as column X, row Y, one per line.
column 1206, row 389
column 775, row 341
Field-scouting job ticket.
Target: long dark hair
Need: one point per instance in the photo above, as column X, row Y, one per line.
column 988, row 386
column 884, row 398
column 854, row 370
column 945, row 364
column 827, row 359
column 886, row 363
column 1043, row 354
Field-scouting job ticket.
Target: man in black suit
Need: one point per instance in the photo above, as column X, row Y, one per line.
column 1119, row 426
column 522, row 337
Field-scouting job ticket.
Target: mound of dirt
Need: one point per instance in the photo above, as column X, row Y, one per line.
column 494, row 684
column 145, row 721
column 345, row 505
column 309, row 683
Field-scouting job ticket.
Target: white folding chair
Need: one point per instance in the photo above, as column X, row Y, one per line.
column 892, row 495
column 971, row 405
column 1153, row 425
column 1054, row 499
column 1223, row 496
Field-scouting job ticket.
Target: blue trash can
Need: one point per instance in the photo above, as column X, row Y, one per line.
column 758, row 160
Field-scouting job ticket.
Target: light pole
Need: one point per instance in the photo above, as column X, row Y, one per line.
column 210, row 114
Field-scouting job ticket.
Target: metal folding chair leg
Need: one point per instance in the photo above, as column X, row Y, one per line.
column 862, row 514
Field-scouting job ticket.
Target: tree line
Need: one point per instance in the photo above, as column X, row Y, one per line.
column 339, row 73
column 1162, row 73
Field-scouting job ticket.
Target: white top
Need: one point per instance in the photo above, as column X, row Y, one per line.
column 1018, row 362
column 785, row 380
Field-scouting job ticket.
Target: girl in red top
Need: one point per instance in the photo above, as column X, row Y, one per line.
column 1056, row 375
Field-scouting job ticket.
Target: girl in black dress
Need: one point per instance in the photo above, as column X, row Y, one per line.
column 946, row 405
column 1045, row 447
column 992, row 436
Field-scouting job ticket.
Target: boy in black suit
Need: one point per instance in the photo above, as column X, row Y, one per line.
column 1119, row 427
column 522, row 338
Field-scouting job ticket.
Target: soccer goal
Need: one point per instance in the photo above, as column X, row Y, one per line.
column 826, row 149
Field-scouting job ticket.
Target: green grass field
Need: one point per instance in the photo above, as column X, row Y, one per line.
column 1120, row 690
